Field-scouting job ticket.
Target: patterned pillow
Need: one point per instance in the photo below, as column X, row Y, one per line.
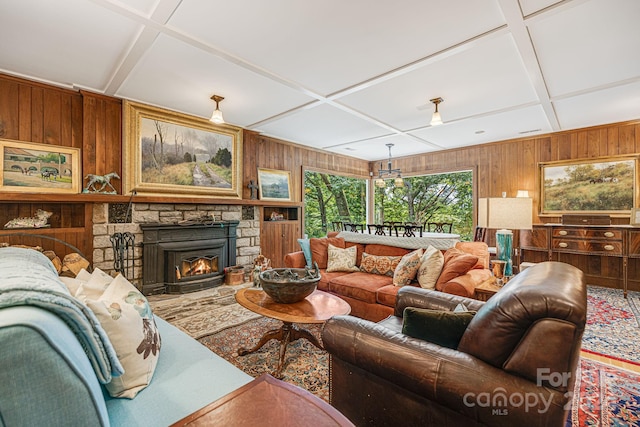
column 430, row 267
column 407, row 269
column 379, row 264
column 342, row 259
column 126, row 316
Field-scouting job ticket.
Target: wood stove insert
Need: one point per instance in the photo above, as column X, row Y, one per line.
column 180, row 258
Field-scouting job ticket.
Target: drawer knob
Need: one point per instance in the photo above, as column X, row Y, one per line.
column 608, row 247
column 562, row 232
column 608, row 234
column 563, row 244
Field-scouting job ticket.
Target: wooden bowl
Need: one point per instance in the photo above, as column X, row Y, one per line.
column 288, row 285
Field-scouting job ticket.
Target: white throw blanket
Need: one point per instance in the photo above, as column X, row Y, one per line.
column 27, row 277
column 442, row 241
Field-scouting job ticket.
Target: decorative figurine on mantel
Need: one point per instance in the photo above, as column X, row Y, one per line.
column 253, row 187
column 102, row 182
column 260, row 264
column 37, row 221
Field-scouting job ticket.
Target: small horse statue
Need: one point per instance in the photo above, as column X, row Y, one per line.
column 103, row 181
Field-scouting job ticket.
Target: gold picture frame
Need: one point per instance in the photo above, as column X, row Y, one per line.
column 166, row 152
column 274, row 185
column 27, row 167
column 606, row 185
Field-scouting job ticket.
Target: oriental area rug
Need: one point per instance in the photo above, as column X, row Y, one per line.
column 607, row 391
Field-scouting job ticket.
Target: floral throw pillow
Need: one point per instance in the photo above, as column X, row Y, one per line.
column 126, row 316
column 430, row 267
column 407, row 269
column 341, row 259
column 379, row 264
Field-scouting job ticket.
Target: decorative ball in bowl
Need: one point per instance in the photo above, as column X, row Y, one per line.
column 289, row 285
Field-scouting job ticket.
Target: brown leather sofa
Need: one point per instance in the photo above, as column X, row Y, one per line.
column 514, row 366
column 373, row 296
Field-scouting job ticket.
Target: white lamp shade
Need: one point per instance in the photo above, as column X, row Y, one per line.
column 216, row 117
column 511, row 213
column 436, row 119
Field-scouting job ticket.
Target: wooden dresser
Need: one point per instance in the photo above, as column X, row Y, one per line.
column 609, row 255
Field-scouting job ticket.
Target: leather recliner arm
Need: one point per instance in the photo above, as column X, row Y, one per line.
column 448, row 377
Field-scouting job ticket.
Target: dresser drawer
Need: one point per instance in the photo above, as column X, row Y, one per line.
column 586, row 233
column 602, row 247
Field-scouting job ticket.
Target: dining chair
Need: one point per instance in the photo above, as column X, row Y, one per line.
column 439, row 227
column 409, row 229
column 337, row 226
column 376, row 229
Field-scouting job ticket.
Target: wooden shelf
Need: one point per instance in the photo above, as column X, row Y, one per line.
column 45, row 231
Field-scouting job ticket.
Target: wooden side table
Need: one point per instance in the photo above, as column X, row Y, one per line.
column 267, row 401
column 487, row 289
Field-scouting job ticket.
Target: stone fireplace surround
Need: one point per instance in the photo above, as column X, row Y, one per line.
column 247, row 233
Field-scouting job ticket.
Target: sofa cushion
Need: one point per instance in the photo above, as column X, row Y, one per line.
column 320, row 248
column 376, row 249
column 126, row 316
column 387, row 295
column 383, row 265
column 361, row 286
column 326, row 278
column 456, row 263
column 444, row 328
column 342, row 259
column 407, row 268
column 430, row 267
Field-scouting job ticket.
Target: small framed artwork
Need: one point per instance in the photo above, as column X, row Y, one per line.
column 274, row 185
column 635, row 216
column 39, row 168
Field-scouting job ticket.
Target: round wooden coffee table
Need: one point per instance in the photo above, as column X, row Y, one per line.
column 316, row 308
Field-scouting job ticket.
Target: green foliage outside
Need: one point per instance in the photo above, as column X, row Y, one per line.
column 431, row 198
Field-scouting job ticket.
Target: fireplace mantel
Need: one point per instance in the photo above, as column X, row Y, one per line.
column 164, row 245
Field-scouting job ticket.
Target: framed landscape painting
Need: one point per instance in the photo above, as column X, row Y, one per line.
column 39, row 168
column 602, row 185
column 172, row 153
column 274, row 185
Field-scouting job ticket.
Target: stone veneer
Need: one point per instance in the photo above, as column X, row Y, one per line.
column 248, row 232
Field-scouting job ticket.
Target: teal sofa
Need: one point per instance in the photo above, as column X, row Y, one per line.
column 47, row 378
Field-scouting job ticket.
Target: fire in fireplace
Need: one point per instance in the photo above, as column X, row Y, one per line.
column 186, row 258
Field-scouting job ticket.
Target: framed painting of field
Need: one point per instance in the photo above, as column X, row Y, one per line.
column 167, row 152
column 274, row 185
column 600, row 185
column 39, row 168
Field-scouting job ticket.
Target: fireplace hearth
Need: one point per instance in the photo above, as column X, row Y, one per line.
column 185, row 258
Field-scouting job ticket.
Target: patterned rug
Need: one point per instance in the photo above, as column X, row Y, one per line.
column 204, row 312
column 613, row 324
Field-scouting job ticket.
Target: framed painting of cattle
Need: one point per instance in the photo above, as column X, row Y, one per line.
column 39, row 168
column 600, row 185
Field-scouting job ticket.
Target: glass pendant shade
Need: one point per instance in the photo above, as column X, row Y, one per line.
column 379, row 183
column 436, row 120
column 216, row 117
column 398, row 182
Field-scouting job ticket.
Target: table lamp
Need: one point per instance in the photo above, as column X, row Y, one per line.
column 505, row 214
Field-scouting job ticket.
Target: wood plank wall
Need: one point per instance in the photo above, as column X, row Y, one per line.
column 513, row 165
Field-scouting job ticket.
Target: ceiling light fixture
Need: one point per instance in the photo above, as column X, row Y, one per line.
column 398, row 181
column 436, row 120
column 216, row 117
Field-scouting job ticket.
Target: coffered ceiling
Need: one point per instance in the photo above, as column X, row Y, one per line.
column 345, row 76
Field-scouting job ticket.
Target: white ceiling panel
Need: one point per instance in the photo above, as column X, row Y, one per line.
column 595, row 43
column 185, row 77
column 345, row 76
column 78, row 44
column 595, row 108
column 322, row 126
column 376, row 149
column 328, row 45
column 511, row 124
column 489, row 76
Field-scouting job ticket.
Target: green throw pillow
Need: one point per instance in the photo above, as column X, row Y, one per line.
column 444, row 328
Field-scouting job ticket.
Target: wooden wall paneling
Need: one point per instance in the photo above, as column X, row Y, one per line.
column 627, row 139
column 8, row 110
column 37, row 115
column 114, row 141
column 23, row 114
column 52, row 118
column 88, row 136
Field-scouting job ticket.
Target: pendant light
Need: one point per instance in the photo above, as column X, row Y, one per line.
column 216, row 117
column 436, row 120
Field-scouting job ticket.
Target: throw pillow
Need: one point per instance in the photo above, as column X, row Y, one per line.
column 95, row 285
column 319, row 248
column 342, row 259
column 456, row 263
column 444, row 328
column 407, row 268
column 125, row 314
column 379, row 264
column 306, row 250
column 430, row 267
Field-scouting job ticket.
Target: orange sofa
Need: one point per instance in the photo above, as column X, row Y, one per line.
column 373, row 296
